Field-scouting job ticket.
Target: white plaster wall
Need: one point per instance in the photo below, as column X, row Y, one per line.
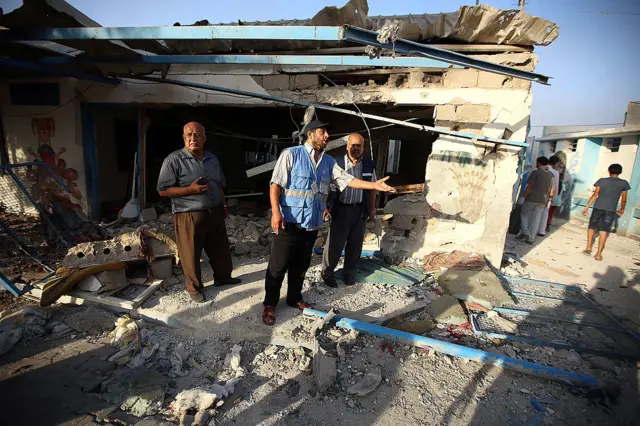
column 153, row 93
column 626, row 157
column 20, row 137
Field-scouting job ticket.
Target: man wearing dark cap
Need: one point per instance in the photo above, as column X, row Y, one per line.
column 298, row 193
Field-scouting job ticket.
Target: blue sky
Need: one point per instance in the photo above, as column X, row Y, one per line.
column 595, row 62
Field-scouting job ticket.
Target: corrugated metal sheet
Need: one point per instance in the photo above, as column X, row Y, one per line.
column 471, row 24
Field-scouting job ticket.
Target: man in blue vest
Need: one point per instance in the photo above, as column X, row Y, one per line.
column 299, row 190
column 349, row 211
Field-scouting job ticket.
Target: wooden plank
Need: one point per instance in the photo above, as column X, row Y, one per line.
column 147, row 293
column 103, row 300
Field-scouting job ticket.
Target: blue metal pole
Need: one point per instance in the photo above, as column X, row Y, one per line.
column 205, row 32
column 370, row 38
column 463, row 351
column 330, row 60
column 330, row 108
column 32, row 66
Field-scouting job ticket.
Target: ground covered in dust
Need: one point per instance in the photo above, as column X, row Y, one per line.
column 64, row 370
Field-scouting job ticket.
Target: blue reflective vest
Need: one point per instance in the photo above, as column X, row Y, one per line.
column 304, row 199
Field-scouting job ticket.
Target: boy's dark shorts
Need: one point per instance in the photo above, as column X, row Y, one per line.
column 602, row 220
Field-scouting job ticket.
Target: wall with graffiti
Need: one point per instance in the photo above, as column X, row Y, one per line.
column 50, row 134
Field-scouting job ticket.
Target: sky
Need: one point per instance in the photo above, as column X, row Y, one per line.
column 594, row 63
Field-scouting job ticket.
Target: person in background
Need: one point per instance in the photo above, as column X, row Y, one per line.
column 605, row 207
column 193, row 179
column 536, row 196
column 545, row 220
column 298, row 193
column 349, row 211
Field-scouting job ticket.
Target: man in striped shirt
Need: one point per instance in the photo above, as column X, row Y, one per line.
column 349, row 210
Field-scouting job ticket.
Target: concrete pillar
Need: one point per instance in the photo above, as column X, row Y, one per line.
column 630, row 222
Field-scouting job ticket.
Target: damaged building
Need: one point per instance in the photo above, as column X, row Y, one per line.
column 61, row 105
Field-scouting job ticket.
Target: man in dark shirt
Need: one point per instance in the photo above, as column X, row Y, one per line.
column 193, row 179
column 536, row 196
column 606, row 195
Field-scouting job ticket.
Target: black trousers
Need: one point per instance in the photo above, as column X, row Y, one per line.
column 346, row 232
column 290, row 253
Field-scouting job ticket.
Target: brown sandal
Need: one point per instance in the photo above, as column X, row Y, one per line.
column 269, row 315
column 302, row 305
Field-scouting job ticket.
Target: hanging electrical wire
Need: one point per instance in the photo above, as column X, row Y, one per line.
column 351, row 100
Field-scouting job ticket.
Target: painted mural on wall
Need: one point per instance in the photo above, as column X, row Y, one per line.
column 44, row 187
column 471, row 176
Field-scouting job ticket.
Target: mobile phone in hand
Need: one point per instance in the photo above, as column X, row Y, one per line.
column 203, row 181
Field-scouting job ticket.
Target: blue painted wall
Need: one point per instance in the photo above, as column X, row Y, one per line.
column 629, row 221
column 584, row 179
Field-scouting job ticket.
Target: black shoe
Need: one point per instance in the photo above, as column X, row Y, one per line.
column 227, row 281
column 198, row 297
column 330, row 282
column 349, row 280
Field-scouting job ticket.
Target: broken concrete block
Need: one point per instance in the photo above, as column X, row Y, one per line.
column 368, row 384
column 305, row 81
column 166, row 218
column 602, row 363
column 162, row 268
column 446, row 112
column 413, row 327
column 403, row 222
column 416, row 79
column 123, row 248
column 473, row 113
column 241, row 248
column 148, row 215
column 490, row 80
column 104, row 281
column 482, row 287
column 275, row 82
column 461, row 78
column 447, row 310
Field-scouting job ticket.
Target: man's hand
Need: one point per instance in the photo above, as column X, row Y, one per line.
column 585, row 211
column 194, row 188
column 277, row 222
column 381, row 186
column 620, row 212
column 521, row 201
column 326, row 215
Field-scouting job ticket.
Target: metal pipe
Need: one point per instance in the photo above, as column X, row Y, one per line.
column 370, row 38
column 330, row 108
column 485, row 357
column 328, row 60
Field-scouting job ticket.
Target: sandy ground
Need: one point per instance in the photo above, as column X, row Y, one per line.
column 417, row 387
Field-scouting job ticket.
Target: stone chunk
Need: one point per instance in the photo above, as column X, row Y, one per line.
column 482, row 287
column 276, row 82
column 461, row 78
column 162, row 268
column 447, row 310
